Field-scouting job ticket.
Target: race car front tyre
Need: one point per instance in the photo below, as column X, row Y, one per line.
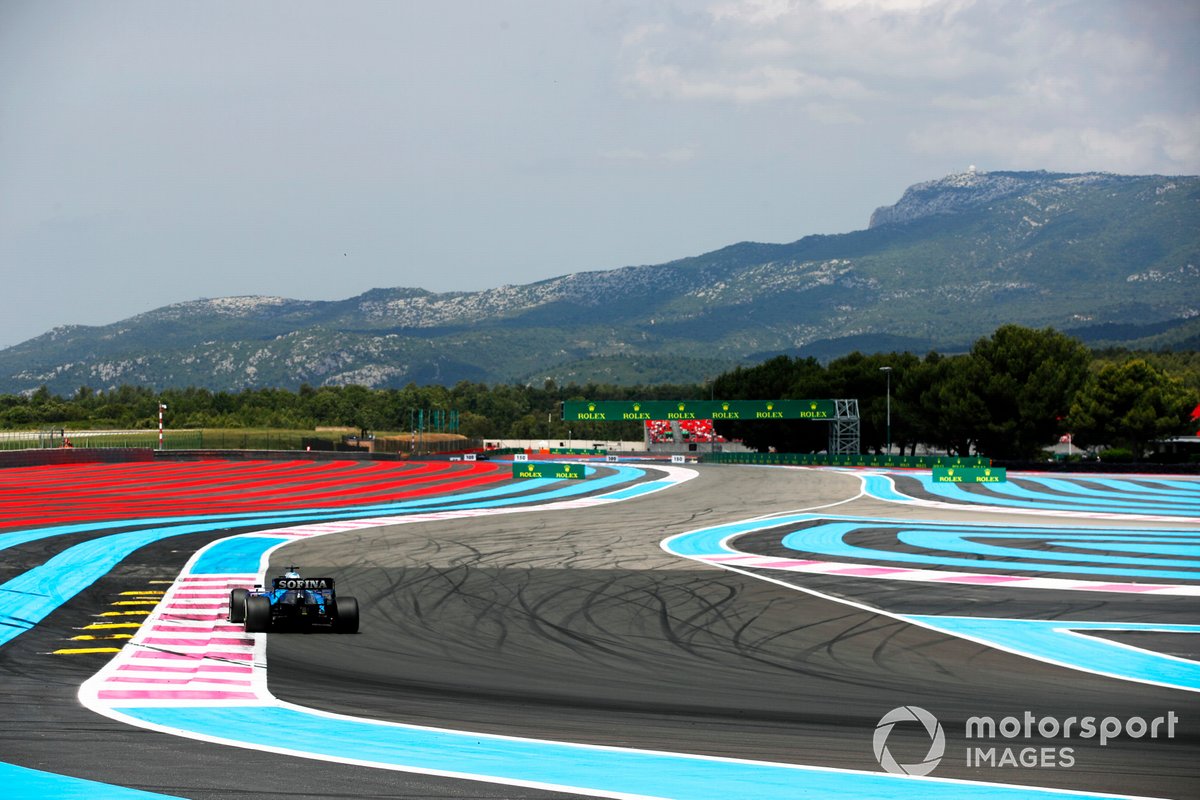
column 258, row 614
column 345, row 610
column 237, row 605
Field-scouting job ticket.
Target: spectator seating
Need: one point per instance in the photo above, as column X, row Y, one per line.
column 661, row 431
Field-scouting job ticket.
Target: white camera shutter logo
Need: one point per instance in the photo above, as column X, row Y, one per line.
column 937, row 744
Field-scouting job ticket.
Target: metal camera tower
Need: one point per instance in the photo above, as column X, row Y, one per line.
column 844, row 429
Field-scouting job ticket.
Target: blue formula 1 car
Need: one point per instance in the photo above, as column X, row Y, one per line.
column 294, row 603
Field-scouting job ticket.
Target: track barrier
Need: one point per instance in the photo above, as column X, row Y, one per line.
column 837, row 460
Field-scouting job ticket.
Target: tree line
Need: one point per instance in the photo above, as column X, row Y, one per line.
column 1012, row 395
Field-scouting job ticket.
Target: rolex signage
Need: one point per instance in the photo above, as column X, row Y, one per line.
column 554, row 471
column 970, row 475
column 626, row 410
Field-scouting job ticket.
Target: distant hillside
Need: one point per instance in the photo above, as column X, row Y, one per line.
column 1114, row 257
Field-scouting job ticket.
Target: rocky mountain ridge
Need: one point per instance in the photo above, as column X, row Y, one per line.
column 952, row 260
column 971, row 189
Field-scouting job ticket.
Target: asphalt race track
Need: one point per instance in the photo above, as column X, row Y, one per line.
column 786, row 614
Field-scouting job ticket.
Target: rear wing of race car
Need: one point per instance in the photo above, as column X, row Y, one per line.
column 312, row 584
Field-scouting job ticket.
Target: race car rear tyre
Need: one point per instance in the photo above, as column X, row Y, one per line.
column 237, row 605
column 345, row 611
column 258, row 614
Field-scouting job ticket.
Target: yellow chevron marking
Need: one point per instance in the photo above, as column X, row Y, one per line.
column 90, row 638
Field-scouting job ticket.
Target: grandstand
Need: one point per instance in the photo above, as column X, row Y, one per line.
column 685, row 431
column 659, row 431
column 699, row 430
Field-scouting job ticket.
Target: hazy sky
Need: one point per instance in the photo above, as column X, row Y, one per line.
column 161, row 151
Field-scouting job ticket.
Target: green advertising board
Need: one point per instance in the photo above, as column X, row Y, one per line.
column 625, row 410
column 970, row 475
column 534, row 469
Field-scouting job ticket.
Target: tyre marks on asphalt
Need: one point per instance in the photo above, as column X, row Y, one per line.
column 186, row 652
column 780, row 549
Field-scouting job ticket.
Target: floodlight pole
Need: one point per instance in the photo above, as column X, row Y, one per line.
column 888, row 370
